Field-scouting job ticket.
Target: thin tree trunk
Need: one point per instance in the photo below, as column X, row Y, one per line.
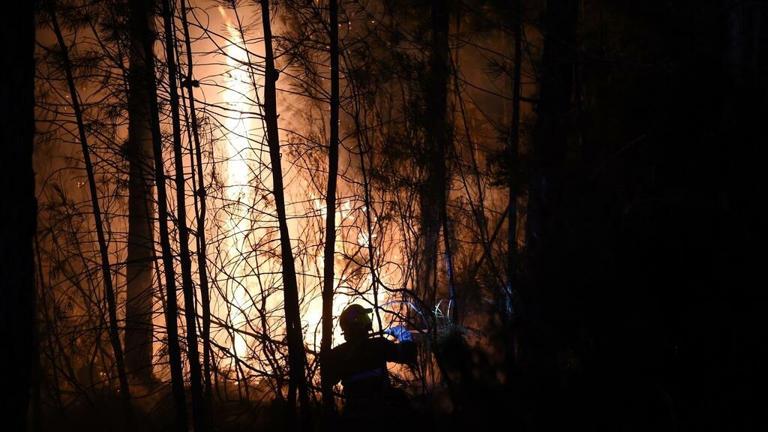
column 546, row 228
column 514, row 149
column 551, row 131
column 138, row 308
column 140, row 8
column 453, row 309
column 18, row 223
column 330, row 205
column 109, row 292
column 433, row 195
column 201, row 194
column 198, row 406
column 296, row 355
column 441, row 26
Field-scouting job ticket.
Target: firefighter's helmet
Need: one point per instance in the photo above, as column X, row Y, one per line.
column 356, row 319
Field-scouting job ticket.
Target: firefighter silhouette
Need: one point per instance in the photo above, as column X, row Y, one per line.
column 360, row 364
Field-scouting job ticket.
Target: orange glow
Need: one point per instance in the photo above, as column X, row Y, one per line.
column 246, row 272
column 239, row 193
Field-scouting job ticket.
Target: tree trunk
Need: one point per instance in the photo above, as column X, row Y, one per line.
column 139, row 8
column 547, row 234
column 330, row 205
column 552, row 126
column 201, row 194
column 514, row 150
column 109, row 292
column 514, row 168
column 190, row 311
column 18, row 223
column 433, row 194
column 296, row 355
column 138, row 308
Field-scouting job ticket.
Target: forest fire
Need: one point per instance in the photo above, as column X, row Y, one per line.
column 238, row 139
column 382, row 214
column 242, row 135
